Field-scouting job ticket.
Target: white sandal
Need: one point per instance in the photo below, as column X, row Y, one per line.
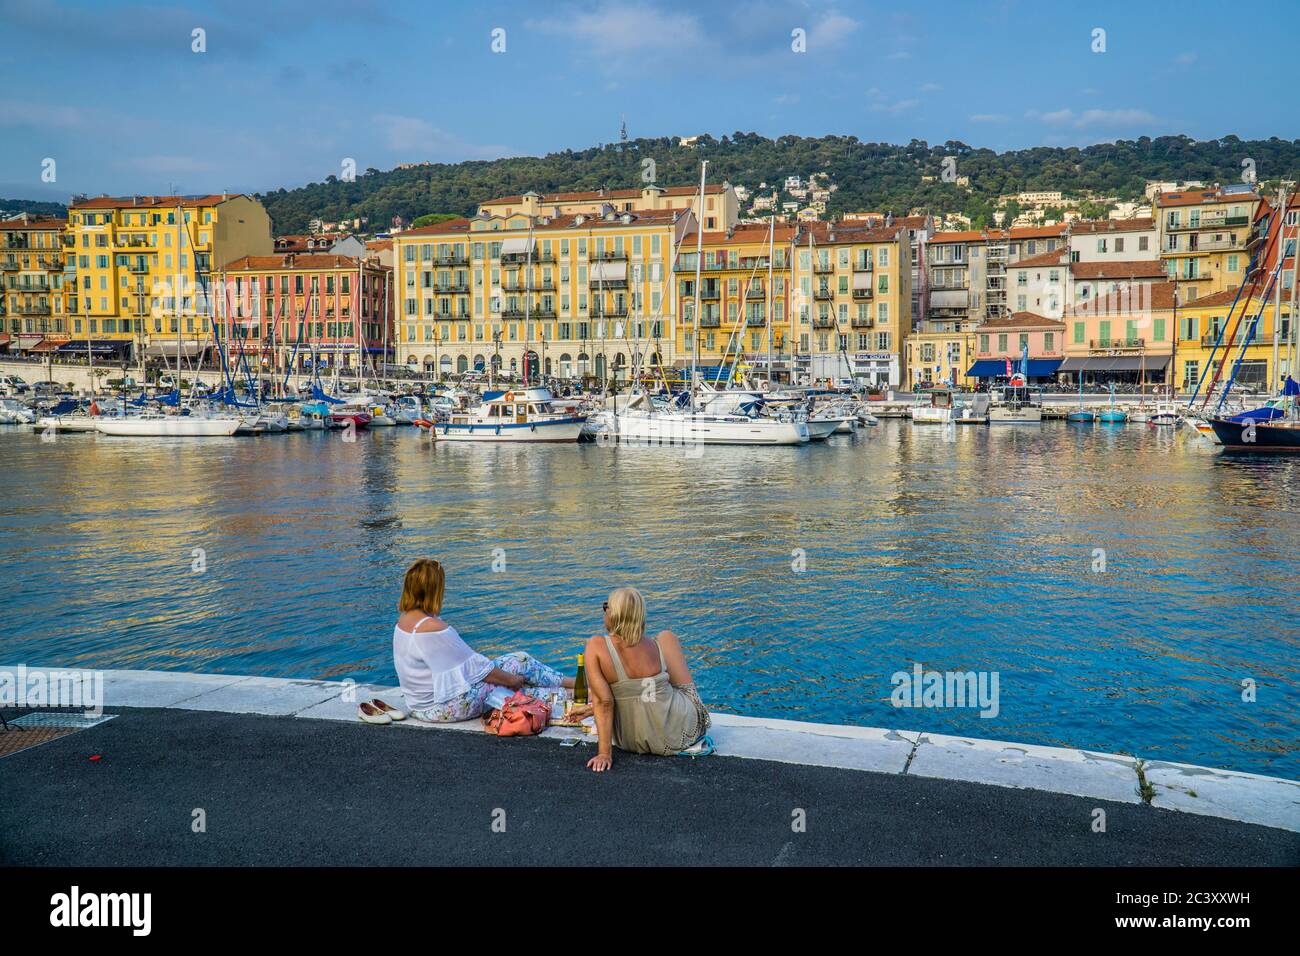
column 372, row 715
column 392, row 712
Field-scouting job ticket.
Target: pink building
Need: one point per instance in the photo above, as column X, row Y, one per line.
column 1000, row 340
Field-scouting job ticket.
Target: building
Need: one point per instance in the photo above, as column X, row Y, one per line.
column 1001, row 343
column 299, row 311
column 144, row 266
column 1124, row 336
column 940, row 358
column 1211, row 329
column 853, row 300
column 571, row 296
column 745, row 276
column 721, row 207
column 33, row 295
column 969, row 280
column 1203, row 237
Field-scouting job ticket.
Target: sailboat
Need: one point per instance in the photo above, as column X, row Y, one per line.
column 1112, row 415
column 684, row 423
column 1080, row 415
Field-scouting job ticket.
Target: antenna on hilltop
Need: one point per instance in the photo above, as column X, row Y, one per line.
column 622, row 130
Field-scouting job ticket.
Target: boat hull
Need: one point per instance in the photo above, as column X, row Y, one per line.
column 174, row 427
column 1262, row 437
column 1018, row 416
column 560, row 430
column 701, row 430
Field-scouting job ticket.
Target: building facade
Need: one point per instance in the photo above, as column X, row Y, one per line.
column 143, row 268
column 304, row 311
column 721, row 205
column 1203, row 237
column 33, row 295
column 573, row 296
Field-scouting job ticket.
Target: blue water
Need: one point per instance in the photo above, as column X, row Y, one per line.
column 972, row 554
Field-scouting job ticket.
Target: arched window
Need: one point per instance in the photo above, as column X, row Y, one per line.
column 566, row 365
column 462, row 364
column 480, row 365
column 583, row 360
column 600, row 366
column 412, row 360
column 445, row 364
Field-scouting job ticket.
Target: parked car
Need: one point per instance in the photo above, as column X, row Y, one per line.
column 12, row 385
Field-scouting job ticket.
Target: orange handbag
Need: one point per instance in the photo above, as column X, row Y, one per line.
column 521, row 716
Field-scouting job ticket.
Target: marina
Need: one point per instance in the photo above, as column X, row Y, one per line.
column 963, row 547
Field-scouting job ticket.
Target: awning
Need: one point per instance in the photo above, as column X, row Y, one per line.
column 25, row 342
column 518, row 247
column 862, row 281
column 4, row 340
column 188, row 349
column 96, row 347
column 1115, row 363
column 46, row 346
column 997, row 368
column 608, row 272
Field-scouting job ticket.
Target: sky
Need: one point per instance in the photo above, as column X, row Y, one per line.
column 284, row 93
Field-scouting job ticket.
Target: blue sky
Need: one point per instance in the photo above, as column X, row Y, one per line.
column 287, row 90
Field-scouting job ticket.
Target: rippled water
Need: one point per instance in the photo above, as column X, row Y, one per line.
column 971, row 554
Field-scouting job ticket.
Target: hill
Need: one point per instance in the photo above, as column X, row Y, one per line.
column 869, row 176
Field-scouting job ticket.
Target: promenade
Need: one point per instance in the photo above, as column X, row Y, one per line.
column 280, row 772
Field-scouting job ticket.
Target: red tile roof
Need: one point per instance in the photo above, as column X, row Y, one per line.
column 15, row 224
column 1054, row 258
column 608, row 195
column 1201, row 196
column 1130, row 300
column 152, row 202
column 1089, row 226
column 296, row 261
column 1134, row 269
column 1021, row 320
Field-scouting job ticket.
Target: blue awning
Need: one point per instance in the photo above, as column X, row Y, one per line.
column 997, row 368
column 96, row 346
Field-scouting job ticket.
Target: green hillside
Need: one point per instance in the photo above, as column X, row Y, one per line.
column 875, row 176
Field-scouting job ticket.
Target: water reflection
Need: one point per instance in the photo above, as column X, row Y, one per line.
column 970, row 548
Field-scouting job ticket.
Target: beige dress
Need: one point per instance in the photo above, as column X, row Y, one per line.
column 651, row 716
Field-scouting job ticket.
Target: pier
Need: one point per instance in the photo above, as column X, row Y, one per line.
column 285, row 774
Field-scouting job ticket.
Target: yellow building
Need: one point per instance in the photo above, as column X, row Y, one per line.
column 33, row 302
column 939, row 358
column 141, row 264
column 1199, row 325
column 1203, row 237
column 852, row 301
column 571, row 296
column 736, row 296
column 721, row 206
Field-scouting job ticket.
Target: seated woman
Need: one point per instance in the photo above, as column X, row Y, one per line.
column 642, row 693
column 443, row 678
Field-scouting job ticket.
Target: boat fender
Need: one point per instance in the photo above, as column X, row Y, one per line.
column 498, row 429
column 532, row 428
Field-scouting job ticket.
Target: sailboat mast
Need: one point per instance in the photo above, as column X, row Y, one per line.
column 699, row 266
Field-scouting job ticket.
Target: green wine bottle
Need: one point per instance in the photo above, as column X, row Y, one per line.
column 580, row 684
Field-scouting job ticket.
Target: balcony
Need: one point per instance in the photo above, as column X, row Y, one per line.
column 457, row 260
column 858, row 322
column 711, row 294
column 1208, row 222
column 823, row 295
column 546, row 286
column 862, row 295
column 824, row 322
column 13, row 242
column 608, row 283
column 515, row 259
column 823, row 268
column 138, row 267
column 32, row 310
column 613, row 313
column 453, row 288
column 756, row 321
column 608, row 257
column 1221, row 245
column 710, row 321
column 864, row 267
column 10, row 266
column 1095, row 345
column 755, row 294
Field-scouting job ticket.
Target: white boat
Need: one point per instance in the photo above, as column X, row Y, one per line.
column 519, row 415
column 1165, row 413
column 633, row 426
column 976, row 413
column 820, row 429
column 153, row 425
column 15, row 412
column 942, row 408
column 66, row 423
column 1015, row 406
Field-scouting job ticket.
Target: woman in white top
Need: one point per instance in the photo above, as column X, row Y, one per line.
column 442, row 677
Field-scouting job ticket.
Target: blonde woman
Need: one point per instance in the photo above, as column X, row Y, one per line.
column 641, row 688
column 443, row 678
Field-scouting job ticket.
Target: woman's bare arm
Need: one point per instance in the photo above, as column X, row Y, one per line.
column 679, row 672
column 602, row 702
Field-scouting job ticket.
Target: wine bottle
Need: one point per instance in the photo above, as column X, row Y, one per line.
column 580, row 683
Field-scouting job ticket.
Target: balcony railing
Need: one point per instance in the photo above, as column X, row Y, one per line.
column 755, row 321
column 1208, row 222
column 823, row 267
column 614, row 313
column 608, row 283
column 32, row 310
column 755, row 294
column 711, row 294
column 858, row 322
column 860, row 294
column 137, row 267
column 8, row 266
column 453, row 288
column 710, row 321
column 608, row 257
column 461, row 260
column 824, row 322
column 823, row 295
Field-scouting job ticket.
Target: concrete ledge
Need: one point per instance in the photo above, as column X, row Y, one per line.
column 1249, row 798
column 1061, row 770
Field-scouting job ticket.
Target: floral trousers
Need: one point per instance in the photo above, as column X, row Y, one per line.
column 542, row 682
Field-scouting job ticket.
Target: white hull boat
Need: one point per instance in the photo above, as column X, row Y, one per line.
column 67, row 423
column 521, row 415
column 683, row 428
column 167, row 426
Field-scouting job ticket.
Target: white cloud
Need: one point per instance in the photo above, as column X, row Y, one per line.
column 901, row 106
column 1108, row 118
column 930, row 88
column 620, row 29
column 899, row 55
column 1186, row 58
column 988, row 118
column 831, row 30
column 419, row 139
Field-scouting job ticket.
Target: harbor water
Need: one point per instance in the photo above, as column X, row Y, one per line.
column 1134, row 589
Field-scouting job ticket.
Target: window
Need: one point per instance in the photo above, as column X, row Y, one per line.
column 1079, row 331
